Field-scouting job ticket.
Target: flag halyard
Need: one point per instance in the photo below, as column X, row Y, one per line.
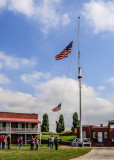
column 65, row 52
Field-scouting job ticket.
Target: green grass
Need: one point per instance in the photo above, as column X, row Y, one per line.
column 44, row 153
column 67, row 138
column 63, row 138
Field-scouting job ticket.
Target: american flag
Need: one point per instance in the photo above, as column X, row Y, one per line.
column 57, row 108
column 65, row 52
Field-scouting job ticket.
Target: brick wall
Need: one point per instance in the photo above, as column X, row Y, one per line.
column 18, row 115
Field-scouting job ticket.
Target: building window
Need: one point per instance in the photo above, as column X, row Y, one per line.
column 29, row 125
column 100, row 137
column 19, row 125
column 94, row 134
column 84, row 134
column 105, row 134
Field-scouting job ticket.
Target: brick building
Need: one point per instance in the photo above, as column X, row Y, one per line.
column 99, row 135
column 19, row 124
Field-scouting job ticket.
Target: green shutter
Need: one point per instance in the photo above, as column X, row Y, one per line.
column 26, row 125
column 16, row 124
column 4, row 124
column 23, row 125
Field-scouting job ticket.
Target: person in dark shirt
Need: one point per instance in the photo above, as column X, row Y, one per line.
column 48, row 141
column 56, row 143
column 32, row 143
column 8, row 141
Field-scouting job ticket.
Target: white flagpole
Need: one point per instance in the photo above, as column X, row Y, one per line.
column 80, row 80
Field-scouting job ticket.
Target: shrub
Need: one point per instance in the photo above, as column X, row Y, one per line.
column 49, row 133
column 66, row 133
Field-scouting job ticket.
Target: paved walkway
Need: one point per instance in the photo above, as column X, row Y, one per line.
column 98, row 154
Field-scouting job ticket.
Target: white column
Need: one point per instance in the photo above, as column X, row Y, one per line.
column 40, row 133
column 25, row 134
column 10, row 128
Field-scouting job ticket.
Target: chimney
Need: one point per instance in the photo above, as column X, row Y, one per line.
column 101, row 125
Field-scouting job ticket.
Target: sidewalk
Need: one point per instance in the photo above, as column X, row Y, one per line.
column 98, row 154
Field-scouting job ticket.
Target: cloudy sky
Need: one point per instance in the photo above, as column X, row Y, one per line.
column 32, row 33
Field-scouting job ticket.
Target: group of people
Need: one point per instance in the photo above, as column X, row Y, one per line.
column 3, row 140
column 7, row 140
column 32, row 142
column 53, row 141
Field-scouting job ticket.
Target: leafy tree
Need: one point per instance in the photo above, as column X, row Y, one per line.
column 76, row 122
column 45, row 123
column 60, row 124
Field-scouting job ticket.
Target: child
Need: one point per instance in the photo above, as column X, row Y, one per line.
column 20, row 142
column 17, row 141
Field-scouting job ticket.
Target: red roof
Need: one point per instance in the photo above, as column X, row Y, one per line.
column 20, row 120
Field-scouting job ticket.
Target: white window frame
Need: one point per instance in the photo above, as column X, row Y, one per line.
column 100, row 137
column 105, row 135
column 94, row 134
column 84, row 134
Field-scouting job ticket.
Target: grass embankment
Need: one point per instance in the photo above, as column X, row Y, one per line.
column 44, row 153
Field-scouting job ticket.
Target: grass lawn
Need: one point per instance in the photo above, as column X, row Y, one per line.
column 44, row 153
column 63, row 138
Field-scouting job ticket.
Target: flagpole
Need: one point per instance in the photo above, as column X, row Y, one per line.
column 80, row 80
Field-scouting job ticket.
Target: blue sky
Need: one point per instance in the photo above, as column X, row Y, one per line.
column 32, row 33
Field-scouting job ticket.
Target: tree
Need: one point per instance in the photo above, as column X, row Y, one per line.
column 45, row 123
column 60, row 124
column 76, row 122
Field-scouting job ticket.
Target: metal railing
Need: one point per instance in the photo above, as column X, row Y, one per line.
column 76, row 141
column 7, row 129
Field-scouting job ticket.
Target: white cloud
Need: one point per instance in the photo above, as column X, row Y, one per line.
column 4, row 79
column 15, row 63
column 34, row 77
column 25, row 7
column 96, row 109
column 48, row 12
column 100, row 15
column 111, row 80
column 101, row 88
column 3, row 3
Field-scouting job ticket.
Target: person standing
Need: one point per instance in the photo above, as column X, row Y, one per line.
column 51, row 141
column 32, row 143
column 56, row 143
column 48, row 141
column 17, row 141
column 37, row 143
column 3, row 142
column 20, row 142
column 0, row 142
column 8, row 141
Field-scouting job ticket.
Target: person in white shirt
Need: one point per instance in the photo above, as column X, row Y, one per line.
column 51, row 141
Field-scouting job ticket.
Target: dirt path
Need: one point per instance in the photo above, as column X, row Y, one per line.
column 98, row 154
